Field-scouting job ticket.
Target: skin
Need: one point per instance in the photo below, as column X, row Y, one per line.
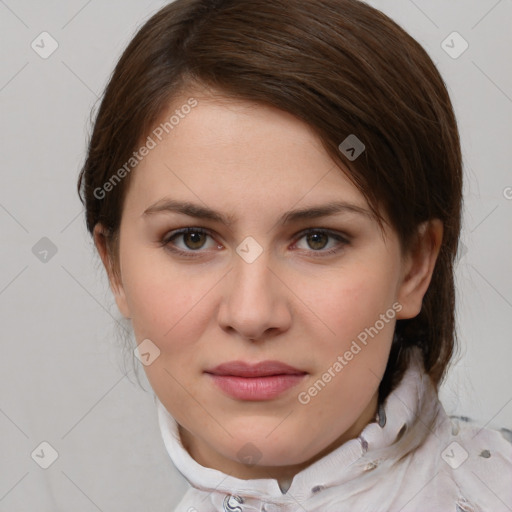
column 295, row 303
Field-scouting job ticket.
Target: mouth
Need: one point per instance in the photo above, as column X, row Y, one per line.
column 260, row 381
column 261, row 369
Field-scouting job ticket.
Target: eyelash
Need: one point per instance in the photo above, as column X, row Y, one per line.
column 166, row 242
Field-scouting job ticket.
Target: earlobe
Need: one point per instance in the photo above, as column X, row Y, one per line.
column 418, row 268
column 100, row 241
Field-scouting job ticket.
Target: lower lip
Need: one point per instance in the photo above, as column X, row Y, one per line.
column 256, row 388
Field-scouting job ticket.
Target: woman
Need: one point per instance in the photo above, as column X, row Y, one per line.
column 274, row 189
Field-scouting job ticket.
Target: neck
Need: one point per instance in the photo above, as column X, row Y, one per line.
column 206, row 456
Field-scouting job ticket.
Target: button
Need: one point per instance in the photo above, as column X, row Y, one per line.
column 317, row 488
column 230, row 503
column 381, row 416
column 506, row 433
column 371, row 465
column 463, row 505
column 401, row 432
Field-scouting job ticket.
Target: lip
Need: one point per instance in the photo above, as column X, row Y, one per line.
column 261, row 369
column 261, row 381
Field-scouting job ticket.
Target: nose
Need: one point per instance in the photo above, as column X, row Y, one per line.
column 255, row 301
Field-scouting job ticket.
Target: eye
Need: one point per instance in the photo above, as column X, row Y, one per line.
column 193, row 239
column 318, row 240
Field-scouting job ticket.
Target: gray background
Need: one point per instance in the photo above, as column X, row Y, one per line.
column 64, row 378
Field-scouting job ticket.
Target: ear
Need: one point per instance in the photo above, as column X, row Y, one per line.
column 418, row 267
column 100, row 241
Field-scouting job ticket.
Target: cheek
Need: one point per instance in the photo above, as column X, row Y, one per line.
column 172, row 310
column 168, row 305
column 164, row 307
column 352, row 301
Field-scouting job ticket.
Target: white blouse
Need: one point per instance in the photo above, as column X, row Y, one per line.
column 412, row 458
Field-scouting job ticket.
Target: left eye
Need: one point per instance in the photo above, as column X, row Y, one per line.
column 317, row 239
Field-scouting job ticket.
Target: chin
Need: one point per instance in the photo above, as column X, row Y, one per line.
column 262, row 451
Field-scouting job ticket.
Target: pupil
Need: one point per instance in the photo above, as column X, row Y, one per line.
column 196, row 239
column 316, row 238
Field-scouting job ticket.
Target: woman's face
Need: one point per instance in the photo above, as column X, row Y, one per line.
column 319, row 291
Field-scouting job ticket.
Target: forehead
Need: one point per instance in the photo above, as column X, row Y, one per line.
column 243, row 149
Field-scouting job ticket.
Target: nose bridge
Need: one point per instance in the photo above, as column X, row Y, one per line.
column 252, row 287
column 254, row 302
column 254, row 273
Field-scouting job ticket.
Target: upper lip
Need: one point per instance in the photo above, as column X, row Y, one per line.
column 262, row 369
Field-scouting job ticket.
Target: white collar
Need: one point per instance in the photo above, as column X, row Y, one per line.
column 408, row 413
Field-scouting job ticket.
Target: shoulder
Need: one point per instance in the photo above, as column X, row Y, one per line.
column 461, row 466
column 479, row 441
column 478, row 461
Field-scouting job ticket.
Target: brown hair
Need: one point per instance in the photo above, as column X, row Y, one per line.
column 341, row 66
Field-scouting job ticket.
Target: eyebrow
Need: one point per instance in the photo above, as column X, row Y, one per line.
column 201, row 212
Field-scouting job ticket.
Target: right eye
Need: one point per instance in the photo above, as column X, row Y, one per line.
column 193, row 241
